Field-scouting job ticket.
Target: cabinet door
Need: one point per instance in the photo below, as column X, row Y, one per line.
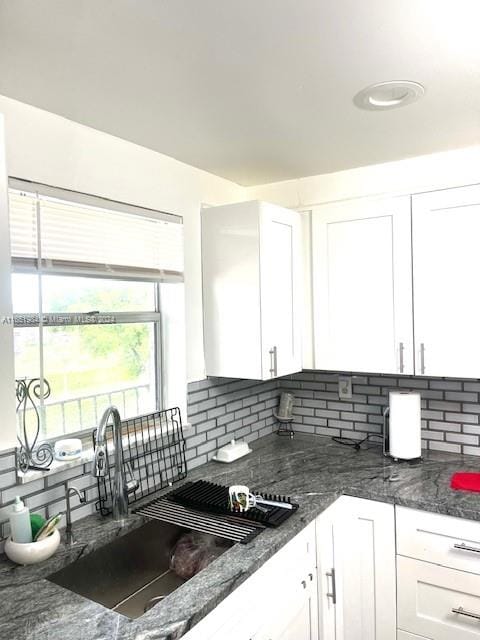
column 289, row 605
column 326, row 574
column 362, row 290
column 364, row 535
column 294, row 613
column 446, row 270
column 280, row 283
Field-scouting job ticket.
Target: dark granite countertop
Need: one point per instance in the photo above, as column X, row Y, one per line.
column 313, row 470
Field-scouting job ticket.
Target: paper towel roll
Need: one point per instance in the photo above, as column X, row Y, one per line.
column 405, row 425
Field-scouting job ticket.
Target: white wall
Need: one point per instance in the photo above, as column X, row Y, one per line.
column 46, row 148
column 414, row 175
column 7, row 370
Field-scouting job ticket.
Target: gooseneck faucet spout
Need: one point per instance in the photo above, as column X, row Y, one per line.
column 100, row 463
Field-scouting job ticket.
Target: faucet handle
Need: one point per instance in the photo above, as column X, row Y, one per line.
column 100, row 461
column 131, row 483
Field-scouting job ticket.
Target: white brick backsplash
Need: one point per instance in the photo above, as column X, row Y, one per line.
column 471, row 408
column 462, row 396
column 411, row 383
column 444, row 406
column 462, row 417
column 220, row 408
column 432, row 435
column 326, row 413
column 471, row 428
column 447, row 385
column 340, row 424
column 7, row 479
column 449, row 406
column 7, row 462
column 444, row 426
column 63, row 476
column 341, row 406
column 445, row 446
column 462, row 438
column 471, row 451
column 471, row 386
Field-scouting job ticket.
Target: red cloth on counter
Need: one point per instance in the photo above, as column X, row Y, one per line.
column 465, row 481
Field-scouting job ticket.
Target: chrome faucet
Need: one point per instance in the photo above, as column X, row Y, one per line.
column 69, row 491
column 120, row 488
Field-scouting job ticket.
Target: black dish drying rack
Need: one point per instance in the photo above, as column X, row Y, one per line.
column 154, row 455
column 211, row 497
column 203, row 506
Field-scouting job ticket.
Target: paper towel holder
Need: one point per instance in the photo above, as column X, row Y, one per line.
column 387, row 434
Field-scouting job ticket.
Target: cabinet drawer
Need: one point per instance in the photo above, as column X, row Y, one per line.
column 451, row 542
column 427, row 595
column 404, row 635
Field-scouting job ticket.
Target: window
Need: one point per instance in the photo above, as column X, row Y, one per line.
column 97, row 293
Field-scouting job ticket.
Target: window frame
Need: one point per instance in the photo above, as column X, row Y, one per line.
column 94, row 317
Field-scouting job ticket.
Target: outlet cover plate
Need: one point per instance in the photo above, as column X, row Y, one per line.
column 345, row 387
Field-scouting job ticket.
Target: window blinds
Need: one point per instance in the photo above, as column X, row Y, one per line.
column 63, row 236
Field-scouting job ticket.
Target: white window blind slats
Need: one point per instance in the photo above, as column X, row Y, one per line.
column 23, row 225
column 93, row 240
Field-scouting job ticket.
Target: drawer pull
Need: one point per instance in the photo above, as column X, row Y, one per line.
column 468, row 614
column 333, row 593
column 465, row 547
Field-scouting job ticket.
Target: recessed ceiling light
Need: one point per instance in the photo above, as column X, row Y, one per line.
column 388, row 95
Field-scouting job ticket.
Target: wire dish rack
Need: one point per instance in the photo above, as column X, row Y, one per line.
column 203, row 506
column 153, row 454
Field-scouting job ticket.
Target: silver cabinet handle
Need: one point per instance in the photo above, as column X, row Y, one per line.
column 401, row 349
column 422, row 357
column 310, row 575
column 468, row 614
column 333, row 593
column 464, row 547
column 304, row 584
column 273, row 362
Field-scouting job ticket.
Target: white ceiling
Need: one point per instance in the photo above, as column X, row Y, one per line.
column 252, row 90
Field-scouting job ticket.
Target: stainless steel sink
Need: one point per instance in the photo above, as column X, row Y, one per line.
column 129, row 575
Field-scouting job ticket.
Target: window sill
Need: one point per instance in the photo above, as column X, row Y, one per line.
column 55, row 467
column 87, row 456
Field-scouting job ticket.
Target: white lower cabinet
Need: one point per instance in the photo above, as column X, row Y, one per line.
column 437, row 602
column 327, row 596
column 334, row 581
column 438, row 576
column 294, row 613
column 279, row 602
column 364, row 535
column 356, row 569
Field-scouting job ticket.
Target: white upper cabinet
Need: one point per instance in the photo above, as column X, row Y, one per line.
column 251, row 258
column 362, row 285
column 446, row 263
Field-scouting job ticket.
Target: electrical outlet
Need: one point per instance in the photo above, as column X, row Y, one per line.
column 345, row 387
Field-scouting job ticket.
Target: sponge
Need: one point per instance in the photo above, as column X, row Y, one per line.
column 36, row 521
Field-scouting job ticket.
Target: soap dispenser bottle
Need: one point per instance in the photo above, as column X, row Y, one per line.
column 20, row 526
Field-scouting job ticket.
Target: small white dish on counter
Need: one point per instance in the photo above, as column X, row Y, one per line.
column 32, row 552
column 68, row 449
column 232, row 451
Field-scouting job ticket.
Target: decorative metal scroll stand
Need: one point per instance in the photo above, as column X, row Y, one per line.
column 30, row 454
